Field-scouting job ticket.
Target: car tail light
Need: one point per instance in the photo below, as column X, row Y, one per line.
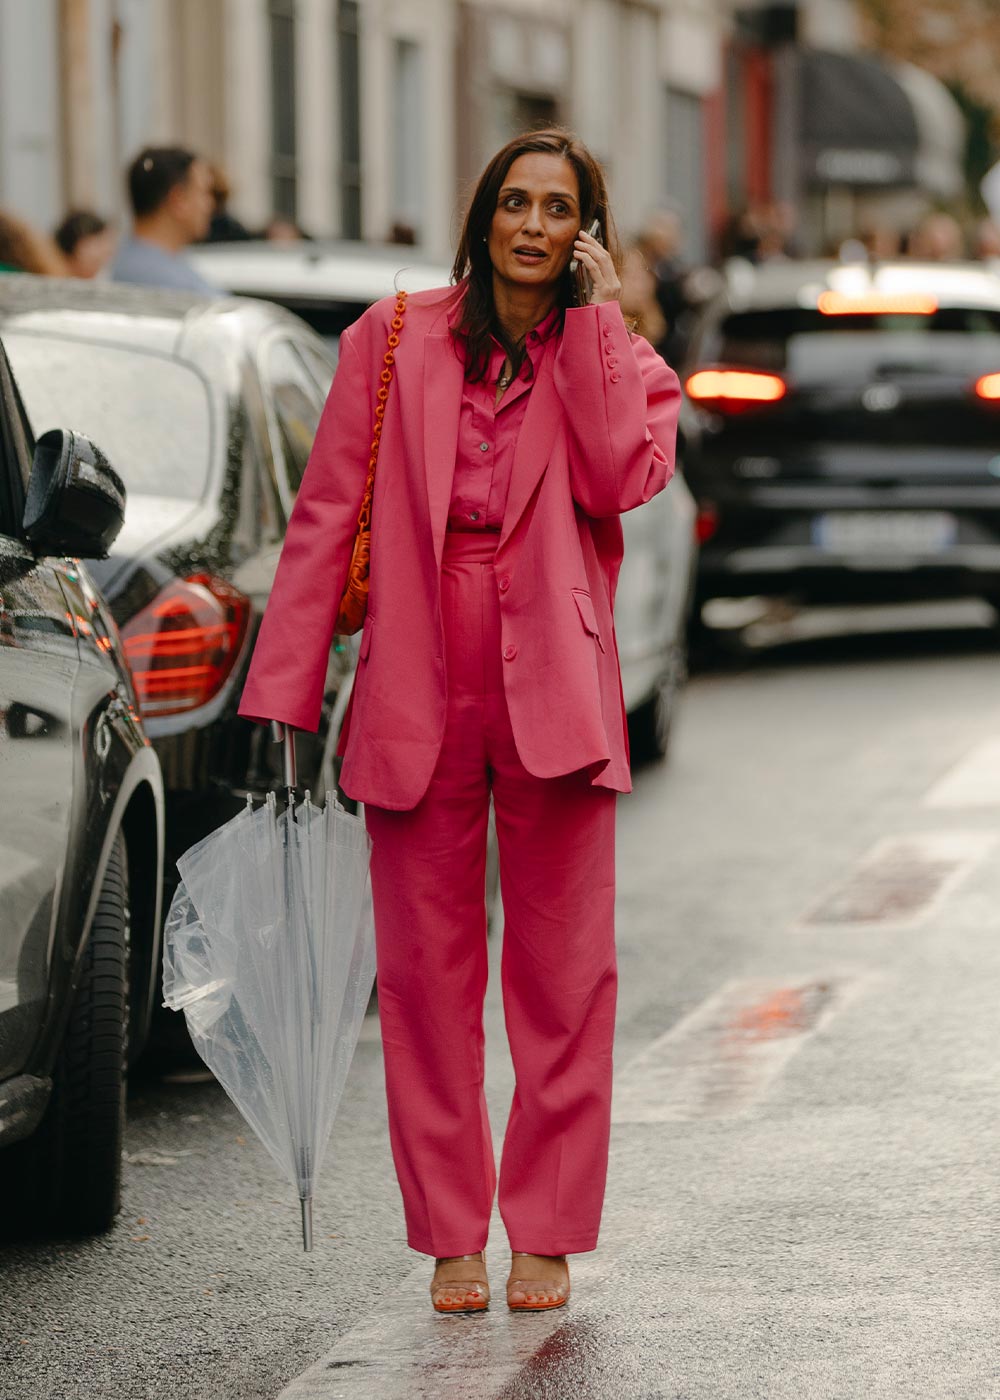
column 183, row 645
column 876, row 304
column 706, row 522
column 734, row 390
column 988, row 388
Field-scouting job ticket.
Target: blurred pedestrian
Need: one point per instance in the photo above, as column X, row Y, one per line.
column 171, row 193
column 937, row 238
column 779, row 224
column 25, row 249
column 403, row 233
column 741, row 235
column 986, row 241
column 496, row 549
column 638, row 299
column 224, row 227
column 87, row 242
column 661, row 242
column 881, row 242
column 282, row 230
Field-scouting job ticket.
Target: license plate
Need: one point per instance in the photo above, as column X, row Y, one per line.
column 887, row 532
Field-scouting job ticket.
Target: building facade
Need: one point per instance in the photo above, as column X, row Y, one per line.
column 371, row 118
column 356, row 118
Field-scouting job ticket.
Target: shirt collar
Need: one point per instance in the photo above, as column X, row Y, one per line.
column 545, row 328
column 535, row 340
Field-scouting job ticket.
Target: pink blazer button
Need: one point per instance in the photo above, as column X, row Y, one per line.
column 509, row 652
column 503, row 583
column 614, row 376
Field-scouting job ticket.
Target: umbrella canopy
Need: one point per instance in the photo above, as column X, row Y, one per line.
column 269, row 951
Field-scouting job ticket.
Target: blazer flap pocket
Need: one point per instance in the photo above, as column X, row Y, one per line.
column 585, row 606
column 366, row 640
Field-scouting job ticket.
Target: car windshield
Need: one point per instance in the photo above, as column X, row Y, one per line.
column 149, row 414
column 809, row 345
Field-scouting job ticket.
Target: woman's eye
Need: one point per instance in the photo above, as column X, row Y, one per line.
column 559, row 208
column 512, row 201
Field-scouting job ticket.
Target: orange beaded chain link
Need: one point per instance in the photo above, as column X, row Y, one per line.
column 354, row 603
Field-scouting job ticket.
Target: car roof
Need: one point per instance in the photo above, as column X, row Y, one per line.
column 788, row 283
column 319, row 271
column 146, row 316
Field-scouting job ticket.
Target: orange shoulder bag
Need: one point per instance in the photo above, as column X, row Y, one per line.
column 354, row 603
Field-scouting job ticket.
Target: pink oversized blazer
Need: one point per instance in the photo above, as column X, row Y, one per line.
column 597, row 439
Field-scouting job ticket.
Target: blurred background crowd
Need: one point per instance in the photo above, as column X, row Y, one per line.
column 865, row 129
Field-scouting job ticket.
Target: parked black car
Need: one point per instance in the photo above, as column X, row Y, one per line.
column 846, row 433
column 81, row 838
column 209, row 408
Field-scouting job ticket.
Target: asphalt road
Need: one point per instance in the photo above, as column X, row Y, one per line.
column 802, row 1197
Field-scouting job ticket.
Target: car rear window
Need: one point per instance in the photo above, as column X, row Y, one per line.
column 149, row 414
column 803, row 342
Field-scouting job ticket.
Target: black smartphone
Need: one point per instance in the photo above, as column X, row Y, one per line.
column 581, row 277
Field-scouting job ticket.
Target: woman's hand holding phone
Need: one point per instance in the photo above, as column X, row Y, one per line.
column 593, row 270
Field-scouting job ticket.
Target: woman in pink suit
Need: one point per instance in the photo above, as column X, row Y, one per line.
column 519, row 426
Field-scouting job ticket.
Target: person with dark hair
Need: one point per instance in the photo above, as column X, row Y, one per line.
column 223, row 227
column 24, row 249
column 87, row 242
column 171, row 194
column 522, row 418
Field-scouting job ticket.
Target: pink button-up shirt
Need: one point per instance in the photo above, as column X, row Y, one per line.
column 488, row 433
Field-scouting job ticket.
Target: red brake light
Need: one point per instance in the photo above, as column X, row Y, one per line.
column 706, row 522
column 988, row 388
column 734, row 390
column 184, row 644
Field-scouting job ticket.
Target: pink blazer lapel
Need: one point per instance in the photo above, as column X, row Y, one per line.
column 442, row 404
column 534, row 442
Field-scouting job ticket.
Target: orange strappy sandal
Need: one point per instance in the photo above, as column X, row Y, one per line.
column 532, row 1294
column 458, row 1288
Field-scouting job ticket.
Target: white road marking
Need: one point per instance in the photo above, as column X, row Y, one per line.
column 721, row 1058
column 902, row 878
column 402, row 1350
column 973, row 782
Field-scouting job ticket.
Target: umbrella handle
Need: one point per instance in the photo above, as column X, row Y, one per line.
column 284, row 733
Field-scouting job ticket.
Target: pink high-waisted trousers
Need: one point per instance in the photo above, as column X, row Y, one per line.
column 556, row 840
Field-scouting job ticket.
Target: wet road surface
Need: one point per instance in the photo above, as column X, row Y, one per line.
column 803, row 1178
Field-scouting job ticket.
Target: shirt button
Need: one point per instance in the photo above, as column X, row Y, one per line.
column 609, row 349
column 509, row 652
column 473, row 514
column 607, row 330
column 614, row 376
column 612, row 362
column 503, row 583
column 484, row 447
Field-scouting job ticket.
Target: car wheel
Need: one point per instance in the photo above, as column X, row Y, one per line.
column 650, row 725
column 66, row 1178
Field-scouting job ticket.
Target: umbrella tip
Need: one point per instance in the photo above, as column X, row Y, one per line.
column 307, row 1224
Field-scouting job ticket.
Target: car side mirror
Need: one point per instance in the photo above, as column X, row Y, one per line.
column 76, row 500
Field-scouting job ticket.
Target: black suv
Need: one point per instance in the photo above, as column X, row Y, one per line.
column 81, row 839
column 846, row 433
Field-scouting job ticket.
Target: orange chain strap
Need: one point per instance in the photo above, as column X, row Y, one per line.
column 354, row 602
column 388, row 360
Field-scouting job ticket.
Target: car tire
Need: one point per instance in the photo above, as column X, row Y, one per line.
column 66, row 1178
column 650, row 725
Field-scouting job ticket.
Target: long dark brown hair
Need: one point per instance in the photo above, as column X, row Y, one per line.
column 478, row 321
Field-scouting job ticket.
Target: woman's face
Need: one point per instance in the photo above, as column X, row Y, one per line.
column 536, row 221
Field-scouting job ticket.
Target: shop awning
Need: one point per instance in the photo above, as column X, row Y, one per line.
column 941, row 131
column 857, row 124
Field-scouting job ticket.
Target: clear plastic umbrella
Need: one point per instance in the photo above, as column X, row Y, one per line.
column 269, row 951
